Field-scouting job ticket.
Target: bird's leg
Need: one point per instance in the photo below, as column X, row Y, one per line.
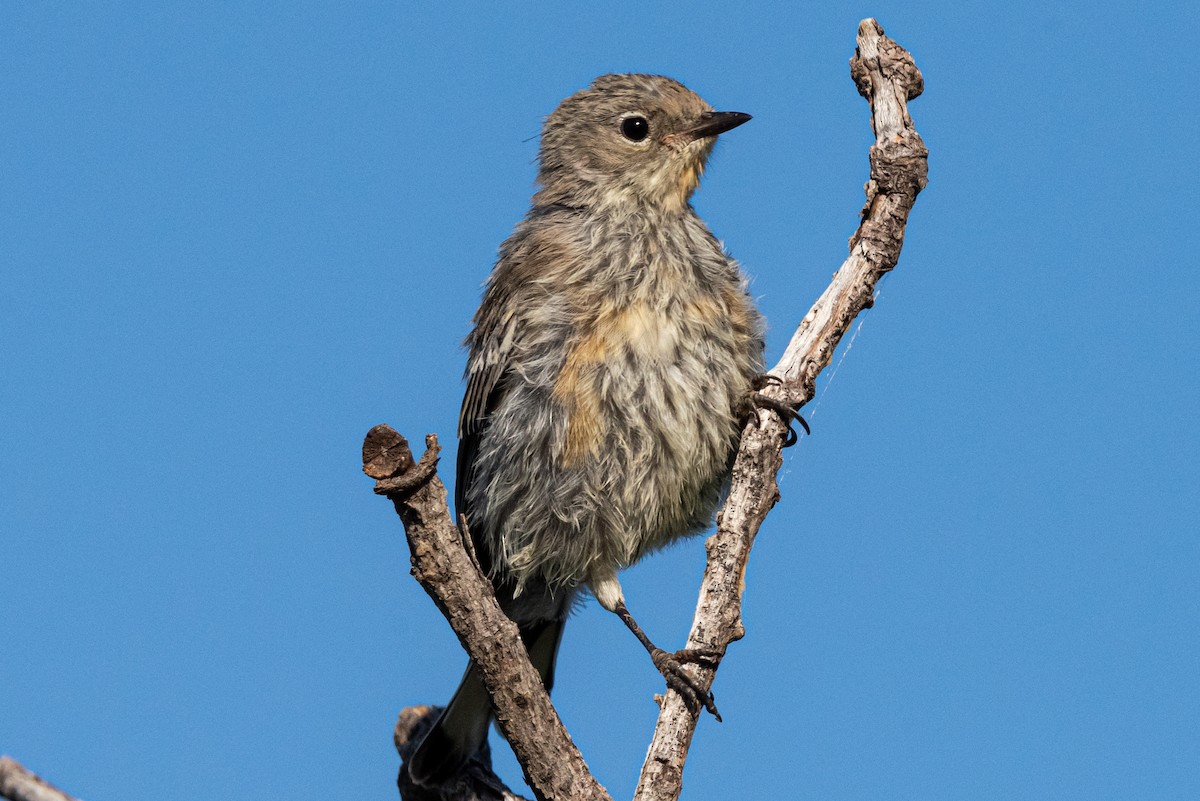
column 786, row 412
column 690, row 688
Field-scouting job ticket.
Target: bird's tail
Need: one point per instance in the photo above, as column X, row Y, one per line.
column 462, row 728
column 460, row 731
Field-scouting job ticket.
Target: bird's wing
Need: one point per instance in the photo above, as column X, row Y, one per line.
column 490, row 351
column 491, row 347
column 515, row 287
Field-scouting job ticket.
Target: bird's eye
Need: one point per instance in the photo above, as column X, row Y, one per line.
column 635, row 129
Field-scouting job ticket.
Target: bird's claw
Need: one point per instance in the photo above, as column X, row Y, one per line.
column 704, row 657
column 787, row 413
column 689, row 687
column 765, row 380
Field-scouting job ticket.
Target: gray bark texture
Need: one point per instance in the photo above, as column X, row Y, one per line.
column 441, row 556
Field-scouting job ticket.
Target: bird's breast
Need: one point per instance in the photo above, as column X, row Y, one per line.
column 638, row 367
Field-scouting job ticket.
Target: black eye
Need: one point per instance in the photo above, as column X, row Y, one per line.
column 635, row 129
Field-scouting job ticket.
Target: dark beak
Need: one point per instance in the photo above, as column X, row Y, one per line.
column 717, row 122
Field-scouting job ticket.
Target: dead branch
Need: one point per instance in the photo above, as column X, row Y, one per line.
column 446, row 570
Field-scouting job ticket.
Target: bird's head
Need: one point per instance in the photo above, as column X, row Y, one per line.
column 629, row 140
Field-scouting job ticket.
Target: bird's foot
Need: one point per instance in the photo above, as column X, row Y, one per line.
column 689, row 687
column 788, row 414
column 671, row 666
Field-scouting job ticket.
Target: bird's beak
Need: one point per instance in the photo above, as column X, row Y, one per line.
column 712, row 123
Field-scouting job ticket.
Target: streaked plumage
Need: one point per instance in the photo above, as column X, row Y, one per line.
column 610, row 364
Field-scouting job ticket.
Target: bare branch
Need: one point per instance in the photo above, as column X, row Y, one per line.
column 553, row 765
column 20, row 784
column 887, row 77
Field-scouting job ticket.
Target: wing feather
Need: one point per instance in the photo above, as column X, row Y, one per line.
column 487, row 366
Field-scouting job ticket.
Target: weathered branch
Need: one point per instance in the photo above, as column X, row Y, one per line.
column 20, row 784
column 886, row 76
column 444, row 566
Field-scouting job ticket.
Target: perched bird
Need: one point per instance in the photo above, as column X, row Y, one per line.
column 611, row 363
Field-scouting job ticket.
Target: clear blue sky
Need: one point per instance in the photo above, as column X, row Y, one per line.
column 236, row 236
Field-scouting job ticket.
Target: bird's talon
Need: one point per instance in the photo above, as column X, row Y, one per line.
column 690, row 688
column 704, row 657
column 786, row 412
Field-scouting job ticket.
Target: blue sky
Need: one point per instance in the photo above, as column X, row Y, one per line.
column 236, row 236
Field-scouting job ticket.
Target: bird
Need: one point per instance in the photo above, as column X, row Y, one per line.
column 611, row 365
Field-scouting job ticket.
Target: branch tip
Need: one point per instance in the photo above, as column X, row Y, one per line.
column 385, row 453
column 388, row 459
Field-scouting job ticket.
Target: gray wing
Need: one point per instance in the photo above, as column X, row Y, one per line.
column 511, row 287
column 484, row 371
column 487, row 367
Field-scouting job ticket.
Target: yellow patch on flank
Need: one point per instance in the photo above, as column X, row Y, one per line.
column 576, row 387
column 638, row 328
column 578, row 397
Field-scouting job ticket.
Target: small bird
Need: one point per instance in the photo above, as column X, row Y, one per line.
column 610, row 366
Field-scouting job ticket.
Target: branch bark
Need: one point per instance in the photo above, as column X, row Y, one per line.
column 443, row 562
column 18, row 783
column 887, row 77
column 441, row 556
